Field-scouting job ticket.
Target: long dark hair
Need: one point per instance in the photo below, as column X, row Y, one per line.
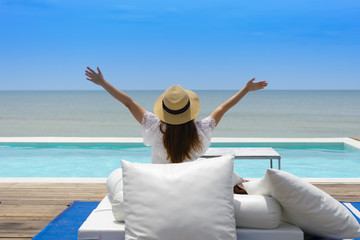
column 180, row 140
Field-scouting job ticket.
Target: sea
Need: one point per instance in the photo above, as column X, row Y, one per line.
column 266, row 113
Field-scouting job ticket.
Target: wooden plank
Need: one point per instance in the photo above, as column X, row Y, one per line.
column 347, row 192
column 17, row 238
column 46, row 211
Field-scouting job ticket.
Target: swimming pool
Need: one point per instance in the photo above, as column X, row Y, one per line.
column 326, row 159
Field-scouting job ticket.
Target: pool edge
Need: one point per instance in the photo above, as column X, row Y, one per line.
column 103, row 180
column 140, row 140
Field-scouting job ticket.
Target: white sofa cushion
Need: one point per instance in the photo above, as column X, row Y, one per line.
column 118, row 207
column 256, row 211
column 114, row 182
column 251, row 211
column 306, row 206
column 114, row 185
column 192, row 200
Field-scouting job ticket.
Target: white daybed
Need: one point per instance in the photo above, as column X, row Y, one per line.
column 278, row 195
column 101, row 225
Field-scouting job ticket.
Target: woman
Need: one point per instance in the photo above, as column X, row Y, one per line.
column 172, row 132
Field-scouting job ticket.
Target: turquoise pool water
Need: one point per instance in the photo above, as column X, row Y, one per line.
column 321, row 160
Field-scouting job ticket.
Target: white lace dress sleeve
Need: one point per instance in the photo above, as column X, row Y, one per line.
column 152, row 136
column 150, row 131
column 205, row 129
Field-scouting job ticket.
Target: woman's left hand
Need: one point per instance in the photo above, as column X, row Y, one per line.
column 95, row 77
column 254, row 86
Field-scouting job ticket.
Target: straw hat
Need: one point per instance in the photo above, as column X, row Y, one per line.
column 177, row 105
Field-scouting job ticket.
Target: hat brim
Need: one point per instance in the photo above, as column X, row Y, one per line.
column 177, row 119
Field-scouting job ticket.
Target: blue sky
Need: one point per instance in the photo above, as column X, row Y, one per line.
column 46, row 44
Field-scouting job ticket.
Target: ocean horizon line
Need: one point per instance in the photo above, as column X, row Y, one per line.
column 154, row 90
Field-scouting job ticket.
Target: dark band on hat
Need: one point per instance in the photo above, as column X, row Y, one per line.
column 176, row 112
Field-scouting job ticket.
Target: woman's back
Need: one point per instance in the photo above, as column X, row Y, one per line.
column 153, row 137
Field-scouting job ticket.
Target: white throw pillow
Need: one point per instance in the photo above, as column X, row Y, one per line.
column 192, row 200
column 256, row 211
column 236, row 178
column 114, row 184
column 306, row 206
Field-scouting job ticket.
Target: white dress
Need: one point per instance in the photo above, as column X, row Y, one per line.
column 153, row 137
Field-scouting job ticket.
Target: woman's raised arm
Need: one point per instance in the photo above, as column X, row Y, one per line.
column 219, row 112
column 136, row 110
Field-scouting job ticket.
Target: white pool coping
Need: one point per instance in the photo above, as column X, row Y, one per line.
column 103, row 180
column 344, row 140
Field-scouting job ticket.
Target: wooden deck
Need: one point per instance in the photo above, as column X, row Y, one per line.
column 356, row 138
column 28, row 207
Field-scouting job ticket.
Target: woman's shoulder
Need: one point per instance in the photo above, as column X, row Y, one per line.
column 150, row 131
column 149, row 118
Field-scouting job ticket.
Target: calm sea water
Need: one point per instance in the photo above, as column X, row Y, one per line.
column 260, row 114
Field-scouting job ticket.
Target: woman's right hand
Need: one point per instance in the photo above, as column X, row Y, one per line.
column 95, row 77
